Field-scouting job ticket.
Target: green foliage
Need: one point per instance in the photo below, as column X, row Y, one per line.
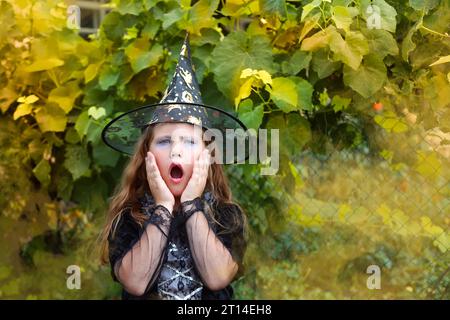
column 312, row 69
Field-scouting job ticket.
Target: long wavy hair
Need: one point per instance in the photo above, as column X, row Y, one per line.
column 134, row 184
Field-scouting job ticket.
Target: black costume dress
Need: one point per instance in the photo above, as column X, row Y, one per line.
column 177, row 276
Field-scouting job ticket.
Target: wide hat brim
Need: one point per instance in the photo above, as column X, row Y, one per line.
column 123, row 132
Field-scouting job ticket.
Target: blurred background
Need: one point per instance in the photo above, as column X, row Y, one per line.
column 360, row 91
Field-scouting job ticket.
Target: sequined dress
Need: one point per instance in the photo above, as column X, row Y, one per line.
column 178, row 278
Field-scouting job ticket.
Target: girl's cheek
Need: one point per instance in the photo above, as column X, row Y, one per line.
column 159, row 158
column 189, row 171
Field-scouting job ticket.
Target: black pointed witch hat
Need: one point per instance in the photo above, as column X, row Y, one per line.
column 182, row 102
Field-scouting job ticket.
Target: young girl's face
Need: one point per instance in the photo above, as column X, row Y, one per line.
column 175, row 147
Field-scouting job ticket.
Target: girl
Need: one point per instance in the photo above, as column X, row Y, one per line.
column 173, row 231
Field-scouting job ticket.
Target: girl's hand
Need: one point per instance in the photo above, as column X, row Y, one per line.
column 197, row 182
column 158, row 187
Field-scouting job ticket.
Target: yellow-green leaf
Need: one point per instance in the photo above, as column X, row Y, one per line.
column 342, row 17
column 51, row 118
column 441, row 60
column 318, row 40
column 45, row 64
column 391, row 123
column 28, row 100
column 91, row 72
column 65, row 96
column 96, row 113
column 42, row 172
column 284, row 94
column 244, row 91
column 22, row 110
column 351, row 50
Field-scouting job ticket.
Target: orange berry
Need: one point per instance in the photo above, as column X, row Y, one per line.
column 377, row 106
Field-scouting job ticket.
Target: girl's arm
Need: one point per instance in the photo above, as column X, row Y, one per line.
column 139, row 267
column 212, row 259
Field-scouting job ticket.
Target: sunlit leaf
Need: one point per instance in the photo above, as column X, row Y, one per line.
column 284, row 94
column 351, row 50
column 51, row 118
column 45, row 64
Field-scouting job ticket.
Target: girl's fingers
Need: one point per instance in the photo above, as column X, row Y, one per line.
column 153, row 168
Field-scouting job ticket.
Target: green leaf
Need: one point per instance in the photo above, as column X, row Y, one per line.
column 201, row 16
column 64, row 184
column 77, row 161
column 235, row 53
column 44, row 64
column 131, row 33
column 42, row 172
column 104, row 155
column 425, row 5
column 108, row 77
column 324, row 98
column 96, row 113
column 91, row 71
column 299, row 60
column 51, row 118
column 390, row 122
column 340, row 103
column 295, row 131
column 94, row 132
column 383, row 10
column 309, row 7
column 253, row 118
column 408, row 45
column 304, row 93
column 323, row 65
column 171, row 17
column 381, row 42
column 277, row 7
column 368, row 78
column 114, row 25
column 342, row 17
column 82, row 124
column 139, row 55
column 309, row 24
column 284, row 94
column 65, row 96
column 72, row 136
column 133, row 7
column 351, row 50
column 319, row 39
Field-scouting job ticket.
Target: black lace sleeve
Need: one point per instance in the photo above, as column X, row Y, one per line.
column 127, row 233
column 233, row 233
column 136, row 253
column 228, row 227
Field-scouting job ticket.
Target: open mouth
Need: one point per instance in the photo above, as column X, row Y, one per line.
column 176, row 171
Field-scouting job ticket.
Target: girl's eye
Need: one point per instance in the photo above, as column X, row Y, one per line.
column 163, row 141
column 191, row 141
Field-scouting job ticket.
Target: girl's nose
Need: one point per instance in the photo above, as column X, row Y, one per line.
column 176, row 150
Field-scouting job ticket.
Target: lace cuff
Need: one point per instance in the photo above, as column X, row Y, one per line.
column 161, row 218
column 189, row 207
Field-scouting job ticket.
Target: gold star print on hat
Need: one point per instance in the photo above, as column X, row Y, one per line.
column 183, row 88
